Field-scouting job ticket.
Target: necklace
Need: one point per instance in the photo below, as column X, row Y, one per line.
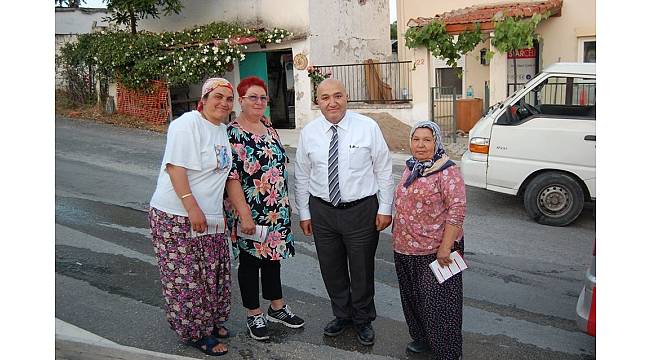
column 256, row 128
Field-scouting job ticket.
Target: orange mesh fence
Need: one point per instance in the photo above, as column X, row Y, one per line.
column 150, row 105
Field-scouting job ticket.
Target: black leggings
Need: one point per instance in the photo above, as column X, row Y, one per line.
column 249, row 278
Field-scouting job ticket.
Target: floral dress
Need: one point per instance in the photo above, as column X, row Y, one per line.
column 259, row 163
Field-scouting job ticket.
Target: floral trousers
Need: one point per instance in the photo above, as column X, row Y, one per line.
column 194, row 274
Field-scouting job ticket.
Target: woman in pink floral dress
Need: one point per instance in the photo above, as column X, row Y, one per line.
column 258, row 195
column 428, row 225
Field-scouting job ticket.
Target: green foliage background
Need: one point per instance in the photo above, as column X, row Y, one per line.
column 435, row 38
column 179, row 58
column 510, row 33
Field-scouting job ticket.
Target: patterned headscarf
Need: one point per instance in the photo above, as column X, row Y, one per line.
column 210, row 85
column 440, row 160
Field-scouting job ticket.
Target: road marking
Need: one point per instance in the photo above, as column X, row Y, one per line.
column 66, row 236
column 131, row 229
column 108, row 163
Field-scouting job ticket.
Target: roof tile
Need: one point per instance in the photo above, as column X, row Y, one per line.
column 486, row 13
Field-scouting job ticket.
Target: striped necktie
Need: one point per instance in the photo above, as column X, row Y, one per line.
column 333, row 168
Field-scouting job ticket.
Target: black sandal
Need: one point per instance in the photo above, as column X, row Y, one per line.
column 217, row 334
column 209, row 342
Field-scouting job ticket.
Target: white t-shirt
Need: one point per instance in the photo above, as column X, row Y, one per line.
column 203, row 149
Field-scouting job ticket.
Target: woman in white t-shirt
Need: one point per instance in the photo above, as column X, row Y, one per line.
column 187, row 221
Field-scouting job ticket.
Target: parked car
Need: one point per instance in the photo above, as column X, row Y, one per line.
column 586, row 307
column 540, row 143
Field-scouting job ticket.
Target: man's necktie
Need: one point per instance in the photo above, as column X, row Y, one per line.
column 333, row 168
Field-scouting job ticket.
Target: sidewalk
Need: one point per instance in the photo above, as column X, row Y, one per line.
column 454, row 150
column 67, row 349
column 72, row 342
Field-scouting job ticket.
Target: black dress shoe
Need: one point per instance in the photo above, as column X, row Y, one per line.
column 365, row 334
column 417, row 347
column 336, row 326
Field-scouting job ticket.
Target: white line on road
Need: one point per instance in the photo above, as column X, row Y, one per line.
column 66, row 236
column 131, row 229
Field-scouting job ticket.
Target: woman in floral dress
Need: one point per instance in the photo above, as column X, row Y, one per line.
column 187, row 221
column 258, row 195
column 428, row 226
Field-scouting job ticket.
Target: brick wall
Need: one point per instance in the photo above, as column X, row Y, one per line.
column 150, row 105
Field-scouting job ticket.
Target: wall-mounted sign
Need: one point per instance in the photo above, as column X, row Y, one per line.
column 300, row 62
column 525, row 65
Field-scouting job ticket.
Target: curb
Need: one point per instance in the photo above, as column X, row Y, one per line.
column 72, row 349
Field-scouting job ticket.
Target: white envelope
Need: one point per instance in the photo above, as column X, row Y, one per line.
column 443, row 273
column 261, row 231
column 216, row 225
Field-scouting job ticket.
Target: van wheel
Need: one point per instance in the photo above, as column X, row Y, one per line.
column 554, row 199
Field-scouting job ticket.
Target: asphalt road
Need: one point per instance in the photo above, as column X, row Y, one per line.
column 520, row 290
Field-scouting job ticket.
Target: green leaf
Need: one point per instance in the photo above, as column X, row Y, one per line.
column 434, row 37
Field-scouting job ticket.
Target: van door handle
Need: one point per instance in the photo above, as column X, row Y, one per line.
column 590, row 137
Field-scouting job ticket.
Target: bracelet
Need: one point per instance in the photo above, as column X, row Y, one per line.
column 186, row 195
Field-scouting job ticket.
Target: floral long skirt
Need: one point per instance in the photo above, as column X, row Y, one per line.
column 194, row 273
column 433, row 311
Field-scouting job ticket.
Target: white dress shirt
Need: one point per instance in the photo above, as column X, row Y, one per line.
column 365, row 163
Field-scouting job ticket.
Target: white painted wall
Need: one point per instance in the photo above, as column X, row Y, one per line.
column 287, row 14
column 68, row 23
column 561, row 35
column 77, row 21
column 498, row 76
column 421, row 89
column 342, row 31
column 349, row 31
column 302, row 86
column 59, row 41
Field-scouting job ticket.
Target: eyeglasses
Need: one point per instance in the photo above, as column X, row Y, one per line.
column 255, row 98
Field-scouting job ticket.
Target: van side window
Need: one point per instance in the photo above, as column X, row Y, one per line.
column 565, row 96
column 557, row 96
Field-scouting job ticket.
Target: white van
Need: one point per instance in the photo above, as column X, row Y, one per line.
column 540, row 143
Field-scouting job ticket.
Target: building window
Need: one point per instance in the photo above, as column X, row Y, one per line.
column 587, row 50
column 450, row 78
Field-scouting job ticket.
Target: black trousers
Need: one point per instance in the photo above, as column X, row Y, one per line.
column 248, row 275
column 346, row 242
